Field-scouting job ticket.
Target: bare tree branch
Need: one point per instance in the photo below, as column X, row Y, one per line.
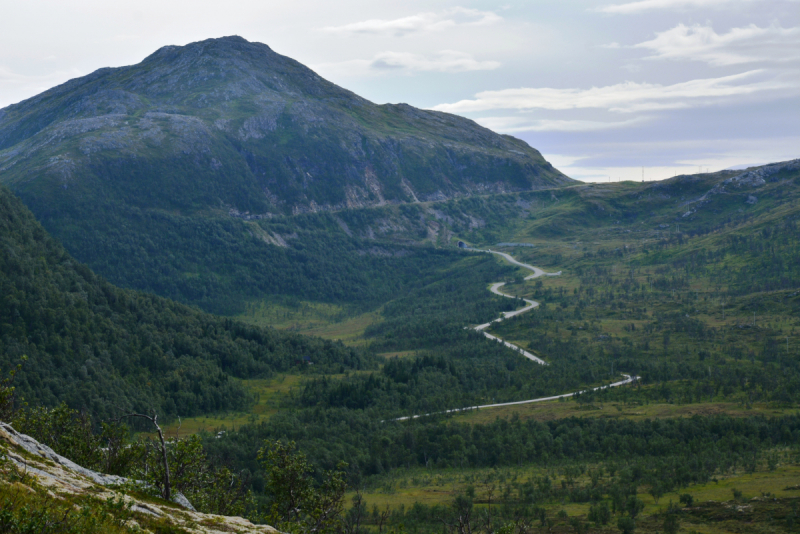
column 154, row 419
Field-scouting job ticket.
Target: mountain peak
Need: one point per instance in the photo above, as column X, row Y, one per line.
column 231, row 39
column 225, row 43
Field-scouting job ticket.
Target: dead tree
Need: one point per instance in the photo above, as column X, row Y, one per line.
column 166, row 494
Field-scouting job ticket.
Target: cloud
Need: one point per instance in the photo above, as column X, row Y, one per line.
column 406, row 62
column 631, row 67
column 650, row 5
column 421, row 22
column 624, row 97
column 522, row 124
column 444, row 61
column 739, row 45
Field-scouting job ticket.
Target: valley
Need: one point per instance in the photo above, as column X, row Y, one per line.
column 643, row 301
column 667, row 306
column 630, row 300
column 420, row 323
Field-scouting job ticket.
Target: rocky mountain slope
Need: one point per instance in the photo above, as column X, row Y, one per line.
column 45, row 488
column 231, row 125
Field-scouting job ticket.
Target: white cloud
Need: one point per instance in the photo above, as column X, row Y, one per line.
column 406, row 62
column 444, row 61
column 649, row 5
column 521, row 124
column 623, row 97
column 421, row 22
column 739, row 45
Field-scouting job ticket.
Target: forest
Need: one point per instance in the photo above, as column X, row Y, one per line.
column 106, row 350
column 705, row 316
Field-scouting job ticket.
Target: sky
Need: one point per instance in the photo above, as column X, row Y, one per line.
column 606, row 90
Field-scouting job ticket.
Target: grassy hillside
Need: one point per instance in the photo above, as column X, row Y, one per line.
column 220, row 264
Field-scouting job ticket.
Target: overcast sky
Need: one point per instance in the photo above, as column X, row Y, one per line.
column 602, row 89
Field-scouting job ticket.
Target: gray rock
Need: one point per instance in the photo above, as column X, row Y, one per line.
column 38, row 449
column 180, row 498
column 34, row 447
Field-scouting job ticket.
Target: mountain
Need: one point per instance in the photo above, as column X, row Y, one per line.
column 105, row 349
column 226, row 124
column 158, row 175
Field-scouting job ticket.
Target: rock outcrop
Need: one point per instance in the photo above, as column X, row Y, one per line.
column 60, row 476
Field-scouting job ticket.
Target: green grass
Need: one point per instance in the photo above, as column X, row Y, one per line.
column 553, row 410
column 268, row 394
column 402, row 489
column 271, row 395
column 328, row 321
column 405, row 487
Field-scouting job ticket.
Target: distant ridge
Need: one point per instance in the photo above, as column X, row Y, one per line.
column 744, row 166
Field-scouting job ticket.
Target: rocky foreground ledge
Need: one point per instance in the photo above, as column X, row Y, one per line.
column 63, row 478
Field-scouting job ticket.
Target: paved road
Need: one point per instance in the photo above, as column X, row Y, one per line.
column 628, row 380
column 531, row 304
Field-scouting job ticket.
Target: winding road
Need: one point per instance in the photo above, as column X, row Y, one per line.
column 531, row 304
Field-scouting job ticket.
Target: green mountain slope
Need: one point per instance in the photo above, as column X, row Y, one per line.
column 148, row 173
column 105, row 349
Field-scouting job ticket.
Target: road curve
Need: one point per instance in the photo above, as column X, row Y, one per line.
column 531, row 304
column 628, row 379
